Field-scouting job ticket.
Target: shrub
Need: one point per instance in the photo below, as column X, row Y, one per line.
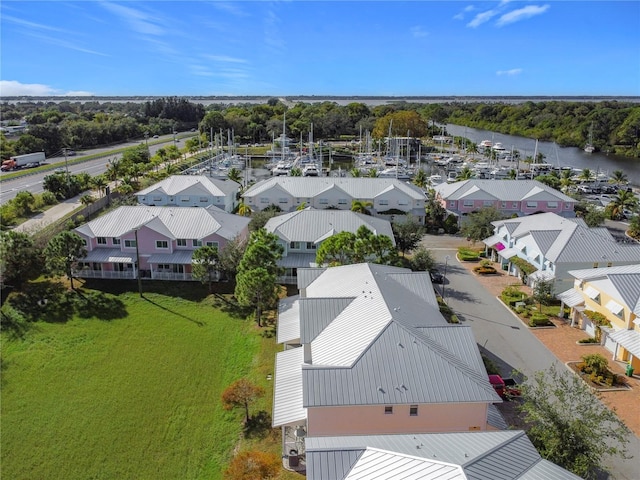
column 482, row 270
column 588, row 340
column 595, row 363
column 538, row 319
column 454, row 319
column 467, row 254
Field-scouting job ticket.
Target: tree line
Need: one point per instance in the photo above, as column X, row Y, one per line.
column 615, row 126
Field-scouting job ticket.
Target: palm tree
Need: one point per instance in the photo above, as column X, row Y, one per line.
column 99, row 183
column 302, row 206
column 420, row 179
column 619, row 177
column 472, row 148
column 586, row 175
column 465, row 174
column 244, row 210
column 566, row 180
column 235, row 175
column 114, row 170
column 361, row 206
column 623, row 200
column 171, row 169
column 373, row 173
column 355, row 173
column 513, row 174
column 295, row 172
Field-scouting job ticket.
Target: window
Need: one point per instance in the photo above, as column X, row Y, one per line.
column 452, row 204
column 84, row 242
column 203, row 199
column 324, row 201
column 115, row 241
column 264, row 200
column 181, row 242
column 212, row 244
column 567, row 206
column 283, row 200
column 487, row 203
column 311, row 246
column 162, row 244
column 468, row 203
column 294, row 245
column 403, row 202
column 130, row 243
column 184, row 199
column 101, row 240
column 552, row 204
column 196, row 243
column 388, row 409
column 595, row 265
column 384, row 202
column 514, row 205
column 157, row 199
column 342, row 201
column 532, row 204
column 413, row 410
column 503, row 205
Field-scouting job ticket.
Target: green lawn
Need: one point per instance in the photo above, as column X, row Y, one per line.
column 129, row 398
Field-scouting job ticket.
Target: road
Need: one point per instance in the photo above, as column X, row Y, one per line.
column 501, row 335
column 32, row 182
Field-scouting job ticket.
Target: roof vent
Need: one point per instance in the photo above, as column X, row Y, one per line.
column 380, row 389
column 400, row 345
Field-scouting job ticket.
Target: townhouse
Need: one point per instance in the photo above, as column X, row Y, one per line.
column 614, row 293
column 192, row 191
column 510, row 197
column 552, row 245
column 153, row 242
column 389, row 197
column 302, row 232
column 373, row 377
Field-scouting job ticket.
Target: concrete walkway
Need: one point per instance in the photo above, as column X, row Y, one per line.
column 50, row 215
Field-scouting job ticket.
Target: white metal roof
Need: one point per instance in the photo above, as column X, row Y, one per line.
column 629, row 339
column 504, row 190
column 288, row 327
column 191, row 185
column 173, row 222
column 287, row 391
column 614, row 307
column 591, row 292
column 571, row 297
column 507, row 253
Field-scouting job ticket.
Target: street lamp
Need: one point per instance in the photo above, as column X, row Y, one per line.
column 444, row 275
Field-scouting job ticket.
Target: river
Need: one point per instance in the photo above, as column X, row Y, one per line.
column 554, row 154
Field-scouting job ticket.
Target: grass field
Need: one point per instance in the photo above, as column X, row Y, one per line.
column 136, row 397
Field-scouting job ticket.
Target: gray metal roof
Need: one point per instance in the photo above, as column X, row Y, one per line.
column 482, row 455
column 172, row 222
column 544, row 239
column 495, row 418
column 359, row 188
column 402, row 366
column 311, row 225
column 306, row 276
column 504, row 190
column 179, row 257
column 298, row 260
column 191, row 185
column 110, row 255
column 317, row 313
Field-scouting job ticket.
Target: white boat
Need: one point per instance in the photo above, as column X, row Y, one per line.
column 282, row 168
column 589, row 148
column 485, row 144
column 435, row 180
column 310, row 170
column 395, row 172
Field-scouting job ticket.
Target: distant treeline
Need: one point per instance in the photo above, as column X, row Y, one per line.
column 53, row 125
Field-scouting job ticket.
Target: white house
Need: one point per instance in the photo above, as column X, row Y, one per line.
column 191, row 191
column 554, row 246
column 389, row 197
column 302, row 232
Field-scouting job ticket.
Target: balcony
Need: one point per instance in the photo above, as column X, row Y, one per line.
column 157, row 275
column 86, row 273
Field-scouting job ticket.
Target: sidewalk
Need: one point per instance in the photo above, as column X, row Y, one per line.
column 49, row 216
column 561, row 341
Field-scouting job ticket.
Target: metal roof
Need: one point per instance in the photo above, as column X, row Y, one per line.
column 298, row 260
column 288, row 325
column 629, row 339
column 504, row 190
column 306, row 276
column 376, row 464
column 622, row 283
column 487, row 455
column 172, row 222
column 492, row 240
column 179, row 256
column 309, row 187
column 402, row 366
column 311, row 225
column 287, row 391
column 110, row 255
column 571, row 297
column 317, row 313
column 191, row 185
column 507, row 253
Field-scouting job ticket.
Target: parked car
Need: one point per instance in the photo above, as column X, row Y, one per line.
column 436, row 276
column 505, row 387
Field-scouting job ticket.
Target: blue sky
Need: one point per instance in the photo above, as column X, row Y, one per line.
column 319, row 48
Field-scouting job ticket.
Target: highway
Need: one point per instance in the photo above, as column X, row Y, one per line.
column 33, row 181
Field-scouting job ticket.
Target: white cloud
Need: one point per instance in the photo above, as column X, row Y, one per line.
column 78, row 93
column 510, row 73
column 225, row 59
column 481, row 18
column 138, row 20
column 32, row 25
column 418, row 32
column 521, row 14
column 13, row 88
column 230, row 7
column 467, row 9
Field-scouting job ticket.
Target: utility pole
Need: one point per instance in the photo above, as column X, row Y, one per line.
column 66, row 166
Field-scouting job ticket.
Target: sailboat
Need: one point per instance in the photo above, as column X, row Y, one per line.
column 589, row 148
